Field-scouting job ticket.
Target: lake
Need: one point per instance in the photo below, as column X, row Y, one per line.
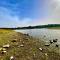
column 43, row 34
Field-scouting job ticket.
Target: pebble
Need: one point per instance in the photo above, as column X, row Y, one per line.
column 3, row 52
column 51, row 41
column 46, row 54
column 21, row 45
column 12, row 58
column 47, row 44
column 3, row 49
column 40, row 49
column 14, row 40
column 34, row 54
column 26, row 34
column 55, row 40
column 23, row 42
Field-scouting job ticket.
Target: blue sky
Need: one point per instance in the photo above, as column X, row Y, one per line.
column 15, row 13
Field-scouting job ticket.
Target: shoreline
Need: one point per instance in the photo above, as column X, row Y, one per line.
column 25, row 47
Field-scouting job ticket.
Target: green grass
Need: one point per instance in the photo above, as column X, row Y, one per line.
column 57, row 28
column 30, row 50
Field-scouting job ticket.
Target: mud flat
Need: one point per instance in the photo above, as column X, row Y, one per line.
column 18, row 46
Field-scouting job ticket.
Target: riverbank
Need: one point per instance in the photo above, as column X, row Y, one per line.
column 25, row 47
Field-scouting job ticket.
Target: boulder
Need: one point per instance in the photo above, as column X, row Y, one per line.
column 46, row 54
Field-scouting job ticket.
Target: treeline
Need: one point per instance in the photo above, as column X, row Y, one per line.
column 35, row 27
column 41, row 26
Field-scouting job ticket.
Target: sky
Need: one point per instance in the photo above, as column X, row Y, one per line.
column 17, row 13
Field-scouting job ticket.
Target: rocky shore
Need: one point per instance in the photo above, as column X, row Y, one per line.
column 18, row 46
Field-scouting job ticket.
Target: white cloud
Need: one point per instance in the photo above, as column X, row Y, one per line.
column 54, row 8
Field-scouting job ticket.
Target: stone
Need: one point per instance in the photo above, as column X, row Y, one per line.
column 51, row 41
column 6, row 46
column 12, row 58
column 34, row 54
column 3, row 52
column 44, row 36
column 20, row 40
column 26, row 34
column 40, row 49
column 15, row 40
column 57, row 45
column 23, row 42
column 46, row 54
column 55, row 40
column 21, row 45
column 1, row 49
column 47, row 44
column 26, row 39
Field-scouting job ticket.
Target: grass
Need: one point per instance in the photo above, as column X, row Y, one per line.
column 30, row 50
column 56, row 28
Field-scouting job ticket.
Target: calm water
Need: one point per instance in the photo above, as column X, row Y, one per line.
column 44, row 34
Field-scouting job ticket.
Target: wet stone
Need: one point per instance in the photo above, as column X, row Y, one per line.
column 55, row 40
column 57, row 45
column 51, row 41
